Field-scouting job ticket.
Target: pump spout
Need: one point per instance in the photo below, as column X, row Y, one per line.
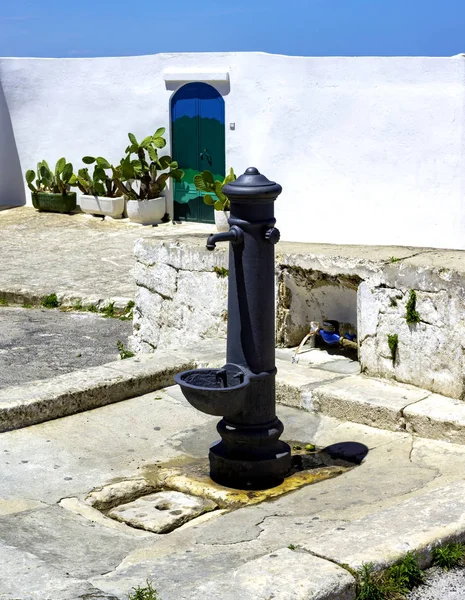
column 235, row 235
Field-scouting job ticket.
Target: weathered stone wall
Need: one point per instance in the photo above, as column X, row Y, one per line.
column 181, row 294
column 430, row 352
column 182, row 298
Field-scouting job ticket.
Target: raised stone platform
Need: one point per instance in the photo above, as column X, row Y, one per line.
column 182, row 290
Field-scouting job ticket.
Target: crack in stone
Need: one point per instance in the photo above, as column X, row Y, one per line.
column 153, row 291
column 344, row 566
column 411, row 450
column 177, row 269
column 387, row 262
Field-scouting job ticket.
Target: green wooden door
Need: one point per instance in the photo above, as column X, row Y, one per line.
column 198, row 143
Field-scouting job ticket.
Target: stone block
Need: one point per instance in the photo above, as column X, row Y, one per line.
column 180, row 297
column 430, row 353
column 295, row 384
column 367, row 401
column 39, row 401
column 437, row 417
column 161, row 512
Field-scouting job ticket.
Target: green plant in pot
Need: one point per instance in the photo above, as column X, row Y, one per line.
column 213, row 188
column 100, row 196
column 51, row 189
column 142, row 180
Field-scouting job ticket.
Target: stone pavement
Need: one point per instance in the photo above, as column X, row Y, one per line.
column 79, row 258
column 42, row 343
column 55, row 545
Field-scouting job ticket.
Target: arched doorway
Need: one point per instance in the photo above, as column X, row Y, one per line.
column 198, row 143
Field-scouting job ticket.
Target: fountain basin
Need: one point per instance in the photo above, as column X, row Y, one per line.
column 219, row 392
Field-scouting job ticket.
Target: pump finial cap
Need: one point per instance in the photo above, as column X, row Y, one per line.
column 252, row 185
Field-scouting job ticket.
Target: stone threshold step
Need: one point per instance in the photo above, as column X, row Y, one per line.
column 373, row 402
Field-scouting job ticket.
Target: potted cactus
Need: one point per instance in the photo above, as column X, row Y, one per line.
column 50, row 192
column 142, row 180
column 205, row 182
column 100, row 195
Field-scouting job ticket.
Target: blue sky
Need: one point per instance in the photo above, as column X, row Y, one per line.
column 52, row 28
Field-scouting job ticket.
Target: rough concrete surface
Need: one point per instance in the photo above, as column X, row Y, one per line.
column 75, row 256
column 41, row 343
column 49, row 470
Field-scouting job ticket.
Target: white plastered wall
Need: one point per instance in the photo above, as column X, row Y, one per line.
column 368, row 150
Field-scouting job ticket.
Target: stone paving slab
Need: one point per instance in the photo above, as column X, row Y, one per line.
column 81, row 259
column 283, row 574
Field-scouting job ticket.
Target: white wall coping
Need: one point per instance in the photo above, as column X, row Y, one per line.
column 196, row 76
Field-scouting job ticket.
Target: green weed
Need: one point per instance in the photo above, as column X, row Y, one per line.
column 123, row 352
column 393, row 342
column 369, row 584
column 91, row 308
column 394, row 259
column 108, row 311
column 406, row 573
column 128, row 311
column 3, row 302
column 144, row 593
column 50, row 301
column 291, row 547
column 27, row 305
column 449, row 556
column 412, row 316
column 221, row 271
column 392, row 583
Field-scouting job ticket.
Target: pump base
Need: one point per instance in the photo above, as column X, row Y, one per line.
column 254, row 469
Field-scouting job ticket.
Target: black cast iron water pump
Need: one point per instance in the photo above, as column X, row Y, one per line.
column 249, row 454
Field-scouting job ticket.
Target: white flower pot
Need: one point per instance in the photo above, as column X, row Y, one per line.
column 99, row 205
column 146, row 212
column 221, row 220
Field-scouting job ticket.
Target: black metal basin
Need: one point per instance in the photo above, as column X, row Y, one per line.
column 219, row 392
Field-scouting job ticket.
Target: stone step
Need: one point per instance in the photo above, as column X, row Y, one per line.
column 356, row 398
column 373, row 402
column 47, row 399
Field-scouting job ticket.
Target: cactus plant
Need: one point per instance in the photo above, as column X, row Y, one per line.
column 51, row 189
column 150, row 170
column 48, row 181
column 99, row 183
column 205, row 182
